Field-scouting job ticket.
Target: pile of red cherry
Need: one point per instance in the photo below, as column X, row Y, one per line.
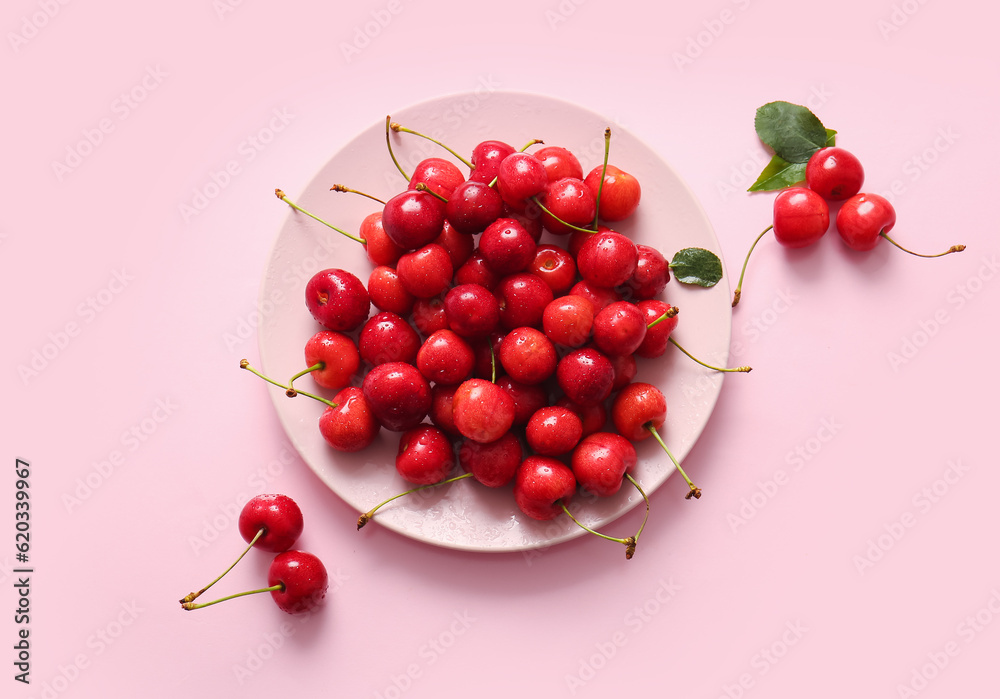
column 297, row 580
column 525, row 345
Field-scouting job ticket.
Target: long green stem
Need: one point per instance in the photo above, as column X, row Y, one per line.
column 422, row 187
column 289, row 391
column 281, row 195
column 670, row 313
column 695, row 491
column 565, row 223
column 635, row 539
column 398, row 128
column 530, row 143
column 363, row 519
column 388, row 143
column 604, row 170
column 739, row 284
column 629, row 542
column 274, row 588
column 743, row 369
column 318, row 366
column 192, row 596
column 953, row 248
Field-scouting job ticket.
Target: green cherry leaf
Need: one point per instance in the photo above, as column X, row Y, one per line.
column 779, row 174
column 696, row 266
column 791, row 130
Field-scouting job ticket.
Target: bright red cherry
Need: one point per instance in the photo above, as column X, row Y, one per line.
column 301, row 581
column 425, row 455
column 413, row 219
column 337, row 300
column 445, row 358
column 601, row 461
column 540, row 484
column 522, row 299
column 472, row 311
column 619, row 329
column 426, row 272
column 438, row 174
column 350, row 426
column 528, row 356
column 459, row 246
column 585, row 376
column 651, row 273
column 483, row 411
column 570, row 201
column 521, row 176
column 863, row 219
column 473, row 206
column 279, row 519
column 493, row 464
column 559, row 163
column 607, row 259
column 337, row 353
column 398, row 395
column 834, row 173
column 486, row 159
column 387, row 337
column 555, row 267
column 620, row 194
column 378, row 246
column 568, row 320
column 801, row 217
column 553, row 430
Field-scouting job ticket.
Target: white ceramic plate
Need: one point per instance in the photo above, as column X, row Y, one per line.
column 466, row 515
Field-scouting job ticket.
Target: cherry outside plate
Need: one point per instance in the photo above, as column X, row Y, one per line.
column 466, row 515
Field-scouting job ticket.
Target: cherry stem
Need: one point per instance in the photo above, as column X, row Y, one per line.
column 953, row 248
column 318, row 366
column 670, row 313
column 363, row 519
column 421, row 187
column 493, row 363
column 629, row 543
column 565, row 223
column 629, row 551
column 695, row 491
column 398, row 128
column 192, row 596
column 279, row 587
column 742, row 369
column 388, row 142
column 604, row 170
column 281, row 195
column 531, row 143
column 342, row 188
column 739, row 284
column 289, row 391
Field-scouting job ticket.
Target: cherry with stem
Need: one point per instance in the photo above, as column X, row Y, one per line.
column 279, row 587
column 604, row 170
column 694, row 491
column 629, row 542
column 343, row 188
column 366, row 517
column 289, row 391
column 739, row 284
column 192, row 596
column 673, row 312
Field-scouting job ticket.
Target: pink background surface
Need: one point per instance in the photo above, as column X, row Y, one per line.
column 859, row 453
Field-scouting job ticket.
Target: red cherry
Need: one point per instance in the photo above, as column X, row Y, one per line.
column 337, row 353
column 425, row 455
column 378, row 246
column 398, row 394
column 570, row 201
column 625, row 368
column 834, row 173
column 506, row 246
column 483, row 411
column 445, row 358
column 441, row 412
column 387, row 337
column 599, row 297
column 568, row 320
column 620, row 194
column 585, row 376
column 459, row 246
column 520, row 176
column 387, row 292
column 555, row 267
column 553, row 430
column 425, row 272
column 473, row 206
column 472, row 311
column 413, row 219
column 559, row 163
column 337, row 300
column 527, row 399
column 528, row 356
column 522, row 299
column 863, row 219
column 277, row 516
column 607, row 259
column 302, row 581
column 651, row 273
column 619, row 329
column 658, row 336
column 476, row 271
column 438, row 174
column 493, row 464
column 801, row 217
column 601, row 461
column 637, row 409
column 486, row 159
column 592, row 416
column 541, row 483
column 350, row 426
column 429, row 315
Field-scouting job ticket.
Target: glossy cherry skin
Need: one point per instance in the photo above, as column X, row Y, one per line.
column 619, row 329
column 555, row 266
column 599, row 296
column 429, row 315
column 570, row 201
column 658, row 336
column 651, row 273
column 459, row 246
column 413, row 219
column 303, row 578
column 585, row 376
column 378, row 246
column 445, row 358
column 387, row 337
column 441, row 412
column 559, row 163
column 352, row 425
column 834, row 173
column 528, row 356
column 493, row 464
column 387, row 292
column 339, row 356
column 636, row 408
column 540, row 483
column 473, row 206
column 593, row 416
column 607, row 259
column 280, row 518
column 506, row 246
column 801, row 217
column 483, row 411
column 568, row 320
column 863, row 218
column 601, row 461
column 553, row 430
column 425, row 455
column 620, row 194
column 520, row 176
column 398, row 395
column 426, row 272
column 337, row 300
column 522, row 299
column 472, row 310
column 438, row 174
column 527, row 399
column 476, row 271
column 486, row 159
